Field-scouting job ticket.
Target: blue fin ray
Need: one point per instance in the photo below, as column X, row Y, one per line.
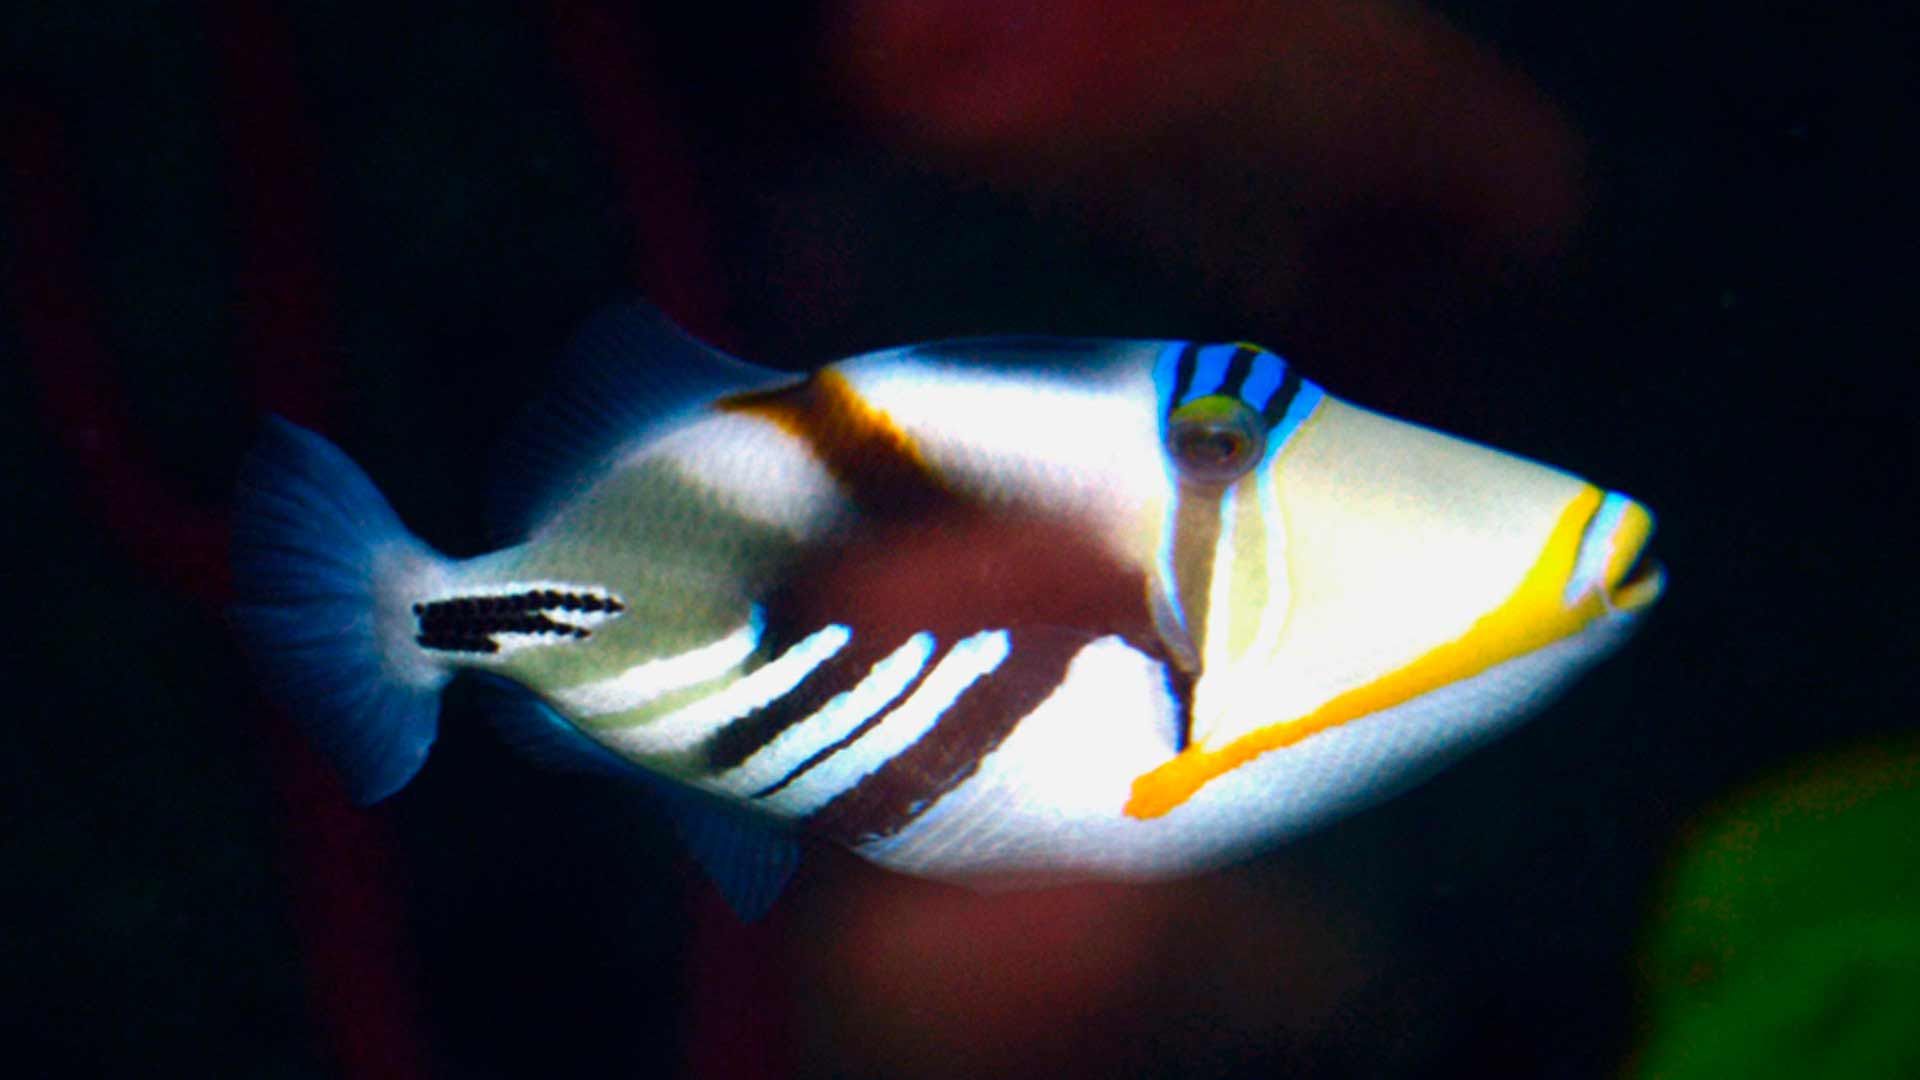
column 532, row 728
column 320, row 567
column 627, row 372
column 748, row 858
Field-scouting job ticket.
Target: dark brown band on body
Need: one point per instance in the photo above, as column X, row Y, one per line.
column 861, row 447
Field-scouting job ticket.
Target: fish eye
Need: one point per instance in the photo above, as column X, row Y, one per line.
column 1215, row 440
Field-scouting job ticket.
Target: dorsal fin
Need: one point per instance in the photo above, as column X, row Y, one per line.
column 628, row 372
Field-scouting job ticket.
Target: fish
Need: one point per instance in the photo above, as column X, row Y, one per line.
column 1000, row 611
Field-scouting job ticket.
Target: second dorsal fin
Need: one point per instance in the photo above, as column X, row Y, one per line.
column 628, row 372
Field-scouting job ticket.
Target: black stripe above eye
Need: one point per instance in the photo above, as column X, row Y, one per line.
column 1183, row 372
column 1238, row 369
column 1282, row 398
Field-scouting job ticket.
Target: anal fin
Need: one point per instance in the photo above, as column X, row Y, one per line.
column 748, row 858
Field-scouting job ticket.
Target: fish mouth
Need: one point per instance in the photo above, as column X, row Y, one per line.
column 1596, row 570
column 1615, row 561
column 1640, row 583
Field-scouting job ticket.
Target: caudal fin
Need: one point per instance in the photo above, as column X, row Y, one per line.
column 324, row 576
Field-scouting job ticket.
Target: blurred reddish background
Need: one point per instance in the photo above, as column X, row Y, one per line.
column 1590, row 236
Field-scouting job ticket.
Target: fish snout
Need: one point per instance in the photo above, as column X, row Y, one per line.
column 1615, row 560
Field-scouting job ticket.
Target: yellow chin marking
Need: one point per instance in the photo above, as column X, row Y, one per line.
column 1535, row 615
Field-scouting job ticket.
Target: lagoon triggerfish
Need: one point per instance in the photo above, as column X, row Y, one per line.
column 997, row 610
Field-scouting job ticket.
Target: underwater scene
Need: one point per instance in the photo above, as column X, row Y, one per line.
column 867, row 538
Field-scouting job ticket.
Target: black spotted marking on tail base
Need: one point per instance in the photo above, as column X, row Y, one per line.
column 469, row 623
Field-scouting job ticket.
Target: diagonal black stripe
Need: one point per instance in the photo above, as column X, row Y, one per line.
column 746, row 736
column 1282, row 398
column 900, row 790
column 848, row 739
column 1238, row 369
column 1183, row 372
column 469, row 623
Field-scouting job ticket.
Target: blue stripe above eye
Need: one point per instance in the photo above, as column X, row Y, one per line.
column 1211, row 368
column 1262, row 381
column 1166, row 374
column 1209, row 373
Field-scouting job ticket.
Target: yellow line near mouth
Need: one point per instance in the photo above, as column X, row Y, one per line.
column 1535, row 615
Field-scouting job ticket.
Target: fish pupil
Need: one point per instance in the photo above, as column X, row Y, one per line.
column 1214, row 448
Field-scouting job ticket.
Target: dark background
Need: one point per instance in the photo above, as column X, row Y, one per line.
column 1662, row 245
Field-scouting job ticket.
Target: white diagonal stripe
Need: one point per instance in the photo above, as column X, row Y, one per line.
column 686, row 727
column 835, row 720
column 650, row 680
column 965, row 664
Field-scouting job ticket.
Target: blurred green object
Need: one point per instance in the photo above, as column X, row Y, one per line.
column 1787, row 942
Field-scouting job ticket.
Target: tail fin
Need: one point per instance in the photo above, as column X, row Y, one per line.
column 324, row 574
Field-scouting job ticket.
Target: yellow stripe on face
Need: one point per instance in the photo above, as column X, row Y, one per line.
column 1533, row 616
